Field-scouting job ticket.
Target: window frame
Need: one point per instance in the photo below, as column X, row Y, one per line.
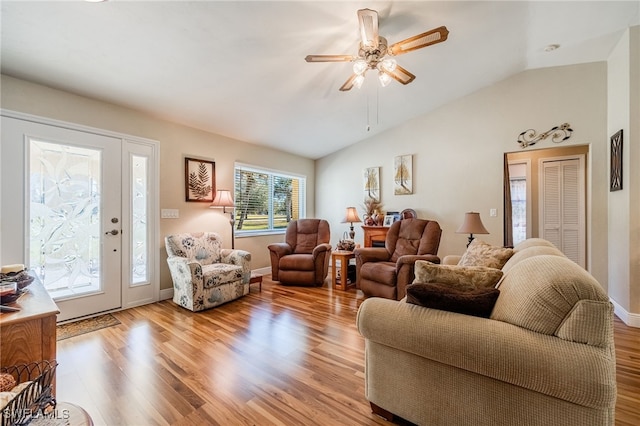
column 302, row 198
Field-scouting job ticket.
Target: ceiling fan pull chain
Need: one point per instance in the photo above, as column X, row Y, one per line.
column 368, row 125
column 377, row 106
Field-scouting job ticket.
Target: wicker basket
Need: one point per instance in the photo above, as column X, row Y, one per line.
column 35, row 398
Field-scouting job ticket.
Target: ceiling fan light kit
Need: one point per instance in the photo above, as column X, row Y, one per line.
column 374, row 50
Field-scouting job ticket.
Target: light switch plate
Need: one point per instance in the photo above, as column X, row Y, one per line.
column 169, row 214
column 493, row 212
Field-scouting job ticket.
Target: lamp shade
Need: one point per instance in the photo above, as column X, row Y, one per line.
column 351, row 216
column 472, row 224
column 223, row 199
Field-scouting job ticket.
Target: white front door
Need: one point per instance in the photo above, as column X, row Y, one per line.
column 72, row 214
column 79, row 207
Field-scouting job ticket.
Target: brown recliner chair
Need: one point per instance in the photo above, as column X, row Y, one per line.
column 303, row 259
column 386, row 271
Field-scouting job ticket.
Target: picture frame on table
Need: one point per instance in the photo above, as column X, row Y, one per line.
column 388, row 220
column 396, row 216
column 199, row 180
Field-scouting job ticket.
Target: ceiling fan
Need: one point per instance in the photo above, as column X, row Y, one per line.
column 375, row 53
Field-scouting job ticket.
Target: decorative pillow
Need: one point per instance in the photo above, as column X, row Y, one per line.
column 480, row 253
column 477, row 302
column 459, row 277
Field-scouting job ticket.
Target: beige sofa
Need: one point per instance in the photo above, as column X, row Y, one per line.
column 544, row 357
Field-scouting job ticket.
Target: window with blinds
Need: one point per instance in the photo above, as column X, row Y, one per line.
column 266, row 200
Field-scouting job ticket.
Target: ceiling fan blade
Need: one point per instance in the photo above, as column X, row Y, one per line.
column 329, row 58
column 418, row 42
column 368, row 21
column 401, row 75
column 349, row 83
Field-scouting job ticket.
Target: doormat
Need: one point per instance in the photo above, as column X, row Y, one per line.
column 88, row 325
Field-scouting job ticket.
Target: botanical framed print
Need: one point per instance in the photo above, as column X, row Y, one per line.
column 199, row 180
column 403, row 175
column 616, row 161
column 372, row 183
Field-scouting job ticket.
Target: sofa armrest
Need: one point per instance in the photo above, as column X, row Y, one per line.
column 411, row 259
column 495, row 349
column 371, row 254
column 321, row 249
column 280, row 249
column 451, row 259
column 276, row 251
column 185, row 273
column 238, row 257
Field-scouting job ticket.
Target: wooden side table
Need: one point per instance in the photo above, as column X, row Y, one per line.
column 255, row 278
column 344, row 257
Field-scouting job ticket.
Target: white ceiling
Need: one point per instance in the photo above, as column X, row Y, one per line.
column 237, row 68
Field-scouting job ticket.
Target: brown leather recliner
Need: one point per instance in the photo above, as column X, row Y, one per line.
column 386, row 271
column 303, row 259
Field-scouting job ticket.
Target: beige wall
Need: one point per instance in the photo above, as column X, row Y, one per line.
column 176, row 142
column 458, row 153
column 624, row 205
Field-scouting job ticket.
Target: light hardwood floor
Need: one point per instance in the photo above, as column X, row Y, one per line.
column 282, row 356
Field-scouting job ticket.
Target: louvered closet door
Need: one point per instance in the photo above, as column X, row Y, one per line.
column 562, row 209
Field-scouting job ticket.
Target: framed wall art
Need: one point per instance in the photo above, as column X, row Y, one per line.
column 616, row 161
column 403, row 175
column 200, row 180
column 371, row 177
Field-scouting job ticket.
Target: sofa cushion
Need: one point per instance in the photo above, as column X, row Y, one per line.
column 217, row 274
column 478, row 302
column 480, row 253
column 460, row 277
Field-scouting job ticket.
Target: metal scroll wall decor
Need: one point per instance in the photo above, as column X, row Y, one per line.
column 558, row 134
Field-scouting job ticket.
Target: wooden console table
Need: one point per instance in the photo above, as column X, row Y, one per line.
column 374, row 233
column 29, row 335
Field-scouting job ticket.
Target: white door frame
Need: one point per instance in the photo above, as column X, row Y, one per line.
column 13, row 247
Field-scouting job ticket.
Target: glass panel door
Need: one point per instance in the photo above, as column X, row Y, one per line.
column 65, row 218
column 73, row 224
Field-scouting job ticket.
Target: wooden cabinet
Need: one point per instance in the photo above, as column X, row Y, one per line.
column 374, row 234
column 29, row 335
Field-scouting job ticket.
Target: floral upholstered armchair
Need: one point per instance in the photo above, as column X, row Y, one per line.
column 204, row 274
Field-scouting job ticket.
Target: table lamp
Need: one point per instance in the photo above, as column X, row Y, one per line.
column 472, row 225
column 224, row 199
column 351, row 216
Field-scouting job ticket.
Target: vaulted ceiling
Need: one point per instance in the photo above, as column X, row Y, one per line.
column 237, row 68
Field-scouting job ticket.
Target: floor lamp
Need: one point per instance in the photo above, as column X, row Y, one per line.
column 225, row 200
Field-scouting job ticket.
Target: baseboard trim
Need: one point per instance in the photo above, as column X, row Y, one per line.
column 167, row 293
column 629, row 318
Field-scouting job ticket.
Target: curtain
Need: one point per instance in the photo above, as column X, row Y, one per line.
column 508, row 218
